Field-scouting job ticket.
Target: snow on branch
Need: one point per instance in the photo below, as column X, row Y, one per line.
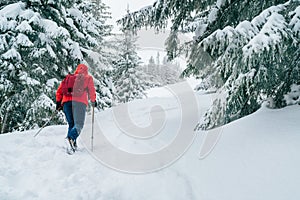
column 11, row 54
column 293, row 97
column 158, row 14
column 255, row 61
column 13, row 10
column 295, row 21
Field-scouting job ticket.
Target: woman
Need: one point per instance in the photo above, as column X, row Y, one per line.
column 72, row 96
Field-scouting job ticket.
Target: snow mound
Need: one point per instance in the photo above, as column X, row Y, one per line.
column 256, row 157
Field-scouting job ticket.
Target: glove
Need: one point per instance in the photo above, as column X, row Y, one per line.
column 94, row 104
column 58, row 106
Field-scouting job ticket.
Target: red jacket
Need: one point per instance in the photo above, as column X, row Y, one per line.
column 88, row 83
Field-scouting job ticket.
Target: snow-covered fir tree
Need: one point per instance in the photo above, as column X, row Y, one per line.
column 162, row 73
column 102, row 72
column 170, row 71
column 151, row 71
column 40, row 42
column 129, row 80
column 247, row 50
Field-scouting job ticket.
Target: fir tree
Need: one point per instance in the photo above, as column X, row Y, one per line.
column 170, row 72
column 129, row 79
column 40, row 42
column 167, row 72
column 152, row 73
column 247, row 50
column 151, row 65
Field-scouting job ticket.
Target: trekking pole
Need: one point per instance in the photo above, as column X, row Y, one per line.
column 92, row 138
column 45, row 123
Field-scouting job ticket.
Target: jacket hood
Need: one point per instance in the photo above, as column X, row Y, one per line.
column 81, row 69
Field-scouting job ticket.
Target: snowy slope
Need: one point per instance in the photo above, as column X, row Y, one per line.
column 256, row 157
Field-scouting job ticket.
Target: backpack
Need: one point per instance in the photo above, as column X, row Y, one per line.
column 73, row 85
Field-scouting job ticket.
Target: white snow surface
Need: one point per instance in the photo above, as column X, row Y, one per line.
column 256, row 157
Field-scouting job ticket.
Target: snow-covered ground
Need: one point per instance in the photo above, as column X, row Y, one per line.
column 255, row 158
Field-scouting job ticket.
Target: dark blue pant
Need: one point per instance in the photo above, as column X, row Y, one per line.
column 75, row 114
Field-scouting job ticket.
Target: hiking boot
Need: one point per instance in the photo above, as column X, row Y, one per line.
column 75, row 145
column 72, row 143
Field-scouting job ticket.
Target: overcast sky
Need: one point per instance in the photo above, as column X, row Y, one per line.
column 118, row 7
column 148, row 42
